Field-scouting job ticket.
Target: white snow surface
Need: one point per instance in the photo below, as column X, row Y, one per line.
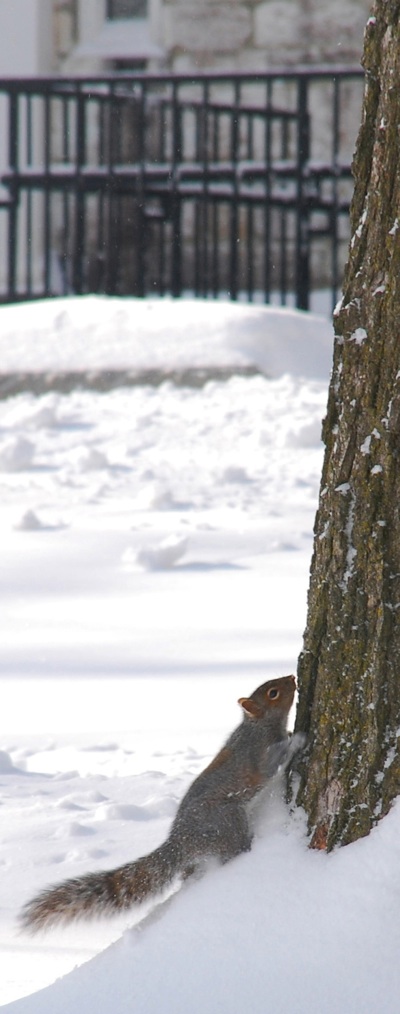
column 155, row 548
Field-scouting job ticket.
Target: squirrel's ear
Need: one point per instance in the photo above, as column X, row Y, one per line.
column 250, row 708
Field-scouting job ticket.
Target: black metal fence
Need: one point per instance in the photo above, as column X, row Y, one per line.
column 151, row 184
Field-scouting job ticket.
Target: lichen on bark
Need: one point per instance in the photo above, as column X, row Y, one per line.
column 349, row 679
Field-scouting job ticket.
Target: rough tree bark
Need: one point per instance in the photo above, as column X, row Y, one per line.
column 349, row 670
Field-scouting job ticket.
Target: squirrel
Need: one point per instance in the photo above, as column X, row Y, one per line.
column 212, row 819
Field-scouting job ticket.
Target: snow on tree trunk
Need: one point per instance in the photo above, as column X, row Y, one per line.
column 349, row 670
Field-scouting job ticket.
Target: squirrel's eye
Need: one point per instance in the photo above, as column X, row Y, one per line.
column 273, row 694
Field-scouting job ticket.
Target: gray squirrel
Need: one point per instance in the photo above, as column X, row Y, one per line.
column 212, row 819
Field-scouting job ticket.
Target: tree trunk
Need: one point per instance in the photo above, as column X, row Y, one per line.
column 349, row 670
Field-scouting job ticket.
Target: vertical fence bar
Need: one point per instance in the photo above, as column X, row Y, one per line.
column 176, row 269
column 65, row 254
column 47, row 216
column 79, row 244
column 29, row 197
column 13, row 129
column 100, row 282
column 215, row 216
column 196, row 210
column 283, row 220
column 266, row 283
column 234, row 211
column 204, row 201
column 162, row 158
column 302, row 224
column 141, row 226
column 250, row 218
column 119, row 238
column 335, row 203
column 111, row 267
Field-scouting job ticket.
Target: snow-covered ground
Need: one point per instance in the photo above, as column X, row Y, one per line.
column 155, row 547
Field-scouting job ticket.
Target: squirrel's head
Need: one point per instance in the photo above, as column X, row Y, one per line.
column 275, row 696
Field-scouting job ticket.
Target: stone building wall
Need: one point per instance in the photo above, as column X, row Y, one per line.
column 182, row 35
column 259, row 34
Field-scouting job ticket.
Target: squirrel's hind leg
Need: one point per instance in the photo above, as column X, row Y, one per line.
column 195, row 869
column 227, row 836
column 238, row 837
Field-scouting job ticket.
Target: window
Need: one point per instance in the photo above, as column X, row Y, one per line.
column 127, row 66
column 118, row 9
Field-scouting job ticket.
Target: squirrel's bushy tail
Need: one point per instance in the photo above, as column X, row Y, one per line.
column 103, row 893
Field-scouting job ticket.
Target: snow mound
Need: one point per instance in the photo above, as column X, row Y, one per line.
column 16, row 454
column 30, row 522
column 282, row 926
column 6, row 764
column 92, row 460
column 92, row 333
column 164, row 555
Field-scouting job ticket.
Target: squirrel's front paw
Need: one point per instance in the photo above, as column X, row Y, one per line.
column 298, row 740
column 297, row 743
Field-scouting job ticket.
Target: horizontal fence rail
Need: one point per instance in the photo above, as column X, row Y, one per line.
column 235, row 185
